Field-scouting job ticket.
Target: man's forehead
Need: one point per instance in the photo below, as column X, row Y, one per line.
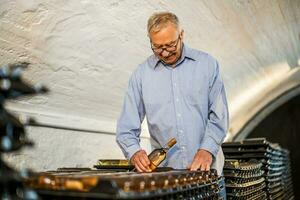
column 165, row 35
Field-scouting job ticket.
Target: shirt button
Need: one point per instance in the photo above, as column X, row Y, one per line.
column 174, row 84
column 183, row 148
column 180, row 131
column 177, row 99
column 179, row 115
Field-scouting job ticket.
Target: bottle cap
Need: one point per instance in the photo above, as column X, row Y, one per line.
column 171, row 142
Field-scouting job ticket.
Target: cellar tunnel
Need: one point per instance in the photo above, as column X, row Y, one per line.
column 85, row 51
column 281, row 126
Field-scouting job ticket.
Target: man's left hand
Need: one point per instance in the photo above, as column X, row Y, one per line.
column 202, row 160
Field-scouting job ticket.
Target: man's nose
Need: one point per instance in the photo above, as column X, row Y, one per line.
column 164, row 53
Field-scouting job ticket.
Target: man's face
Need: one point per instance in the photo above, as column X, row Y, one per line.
column 166, row 44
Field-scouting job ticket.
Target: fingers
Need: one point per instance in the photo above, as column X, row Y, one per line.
column 204, row 167
column 199, row 164
column 195, row 164
column 137, row 167
column 141, row 166
column 202, row 161
column 141, row 161
column 145, row 160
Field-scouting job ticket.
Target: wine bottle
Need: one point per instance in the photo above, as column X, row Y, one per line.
column 158, row 155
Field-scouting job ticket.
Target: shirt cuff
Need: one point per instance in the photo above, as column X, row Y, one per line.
column 210, row 145
column 132, row 150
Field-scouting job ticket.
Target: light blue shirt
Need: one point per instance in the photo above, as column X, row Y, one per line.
column 187, row 102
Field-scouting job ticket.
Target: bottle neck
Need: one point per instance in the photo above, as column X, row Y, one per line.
column 170, row 144
column 165, row 148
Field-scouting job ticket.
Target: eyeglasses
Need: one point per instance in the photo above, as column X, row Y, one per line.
column 169, row 47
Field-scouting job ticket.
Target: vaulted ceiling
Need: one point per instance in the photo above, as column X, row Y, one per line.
column 85, row 51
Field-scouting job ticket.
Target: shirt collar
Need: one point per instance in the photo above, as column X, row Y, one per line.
column 186, row 53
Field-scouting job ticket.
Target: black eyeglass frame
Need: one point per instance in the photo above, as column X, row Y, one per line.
column 169, row 49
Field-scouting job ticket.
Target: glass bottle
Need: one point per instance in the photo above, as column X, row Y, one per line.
column 158, row 155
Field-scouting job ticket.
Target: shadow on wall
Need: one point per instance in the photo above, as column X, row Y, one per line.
column 283, row 127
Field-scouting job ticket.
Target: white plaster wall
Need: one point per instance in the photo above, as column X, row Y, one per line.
column 85, row 51
column 56, row 148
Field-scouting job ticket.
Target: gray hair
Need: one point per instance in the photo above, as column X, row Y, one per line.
column 160, row 20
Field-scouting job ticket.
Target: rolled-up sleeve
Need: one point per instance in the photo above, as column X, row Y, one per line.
column 132, row 115
column 218, row 117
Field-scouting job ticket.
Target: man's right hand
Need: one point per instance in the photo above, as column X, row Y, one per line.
column 141, row 161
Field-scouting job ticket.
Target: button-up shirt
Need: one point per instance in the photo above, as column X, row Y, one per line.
column 186, row 101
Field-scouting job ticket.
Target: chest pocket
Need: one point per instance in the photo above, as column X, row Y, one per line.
column 194, row 92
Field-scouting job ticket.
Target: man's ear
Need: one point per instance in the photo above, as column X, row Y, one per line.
column 182, row 34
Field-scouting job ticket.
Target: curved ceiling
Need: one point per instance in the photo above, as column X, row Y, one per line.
column 85, row 51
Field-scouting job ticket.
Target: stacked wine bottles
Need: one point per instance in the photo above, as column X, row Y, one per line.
column 105, row 184
column 257, row 169
column 118, row 179
column 12, row 132
column 244, row 180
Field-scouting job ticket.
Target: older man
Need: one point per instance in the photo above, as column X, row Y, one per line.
column 181, row 92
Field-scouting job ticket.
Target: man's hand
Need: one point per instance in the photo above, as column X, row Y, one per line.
column 202, row 160
column 141, row 161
